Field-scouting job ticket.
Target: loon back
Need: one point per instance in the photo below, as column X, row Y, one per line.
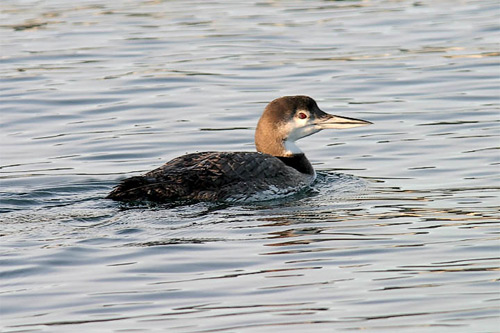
column 215, row 176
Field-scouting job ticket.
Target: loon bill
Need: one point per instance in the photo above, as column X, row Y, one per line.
column 278, row 168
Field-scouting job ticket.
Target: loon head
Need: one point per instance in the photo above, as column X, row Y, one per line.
column 289, row 118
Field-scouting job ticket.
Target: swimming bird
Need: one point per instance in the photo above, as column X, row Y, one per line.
column 278, row 168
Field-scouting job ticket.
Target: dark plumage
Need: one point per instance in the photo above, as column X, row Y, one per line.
column 214, row 176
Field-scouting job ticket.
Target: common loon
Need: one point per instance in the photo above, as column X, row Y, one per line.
column 278, row 168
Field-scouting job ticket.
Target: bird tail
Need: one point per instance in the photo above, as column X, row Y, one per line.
column 128, row 189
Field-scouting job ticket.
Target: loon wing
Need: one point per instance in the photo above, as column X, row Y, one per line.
column 206, row 176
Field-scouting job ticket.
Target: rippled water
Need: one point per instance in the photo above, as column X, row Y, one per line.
column 399, row 234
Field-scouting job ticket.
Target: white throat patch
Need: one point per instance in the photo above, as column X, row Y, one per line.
column 291, row 148
column 297, row 129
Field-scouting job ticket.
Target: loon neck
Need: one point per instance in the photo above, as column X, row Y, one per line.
column 285, row 150
column 299, row 162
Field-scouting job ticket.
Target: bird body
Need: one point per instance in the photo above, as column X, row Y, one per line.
column 278, row 168
column 214, row 176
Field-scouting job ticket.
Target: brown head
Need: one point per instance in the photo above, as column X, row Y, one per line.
column 289, row 118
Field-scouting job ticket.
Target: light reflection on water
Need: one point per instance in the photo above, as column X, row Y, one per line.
column 400, row 232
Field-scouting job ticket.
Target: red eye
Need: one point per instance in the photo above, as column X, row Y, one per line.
column 302, row 115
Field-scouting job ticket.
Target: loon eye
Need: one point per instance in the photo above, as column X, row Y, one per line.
column 302, row 115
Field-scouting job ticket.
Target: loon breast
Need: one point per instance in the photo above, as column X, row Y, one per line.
column 215, row 176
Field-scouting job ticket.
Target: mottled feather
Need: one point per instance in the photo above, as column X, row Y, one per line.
column 211, row 176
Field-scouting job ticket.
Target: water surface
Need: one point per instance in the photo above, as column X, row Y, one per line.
column 400, row 233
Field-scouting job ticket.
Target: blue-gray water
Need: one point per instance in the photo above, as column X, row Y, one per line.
column 400, row 233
